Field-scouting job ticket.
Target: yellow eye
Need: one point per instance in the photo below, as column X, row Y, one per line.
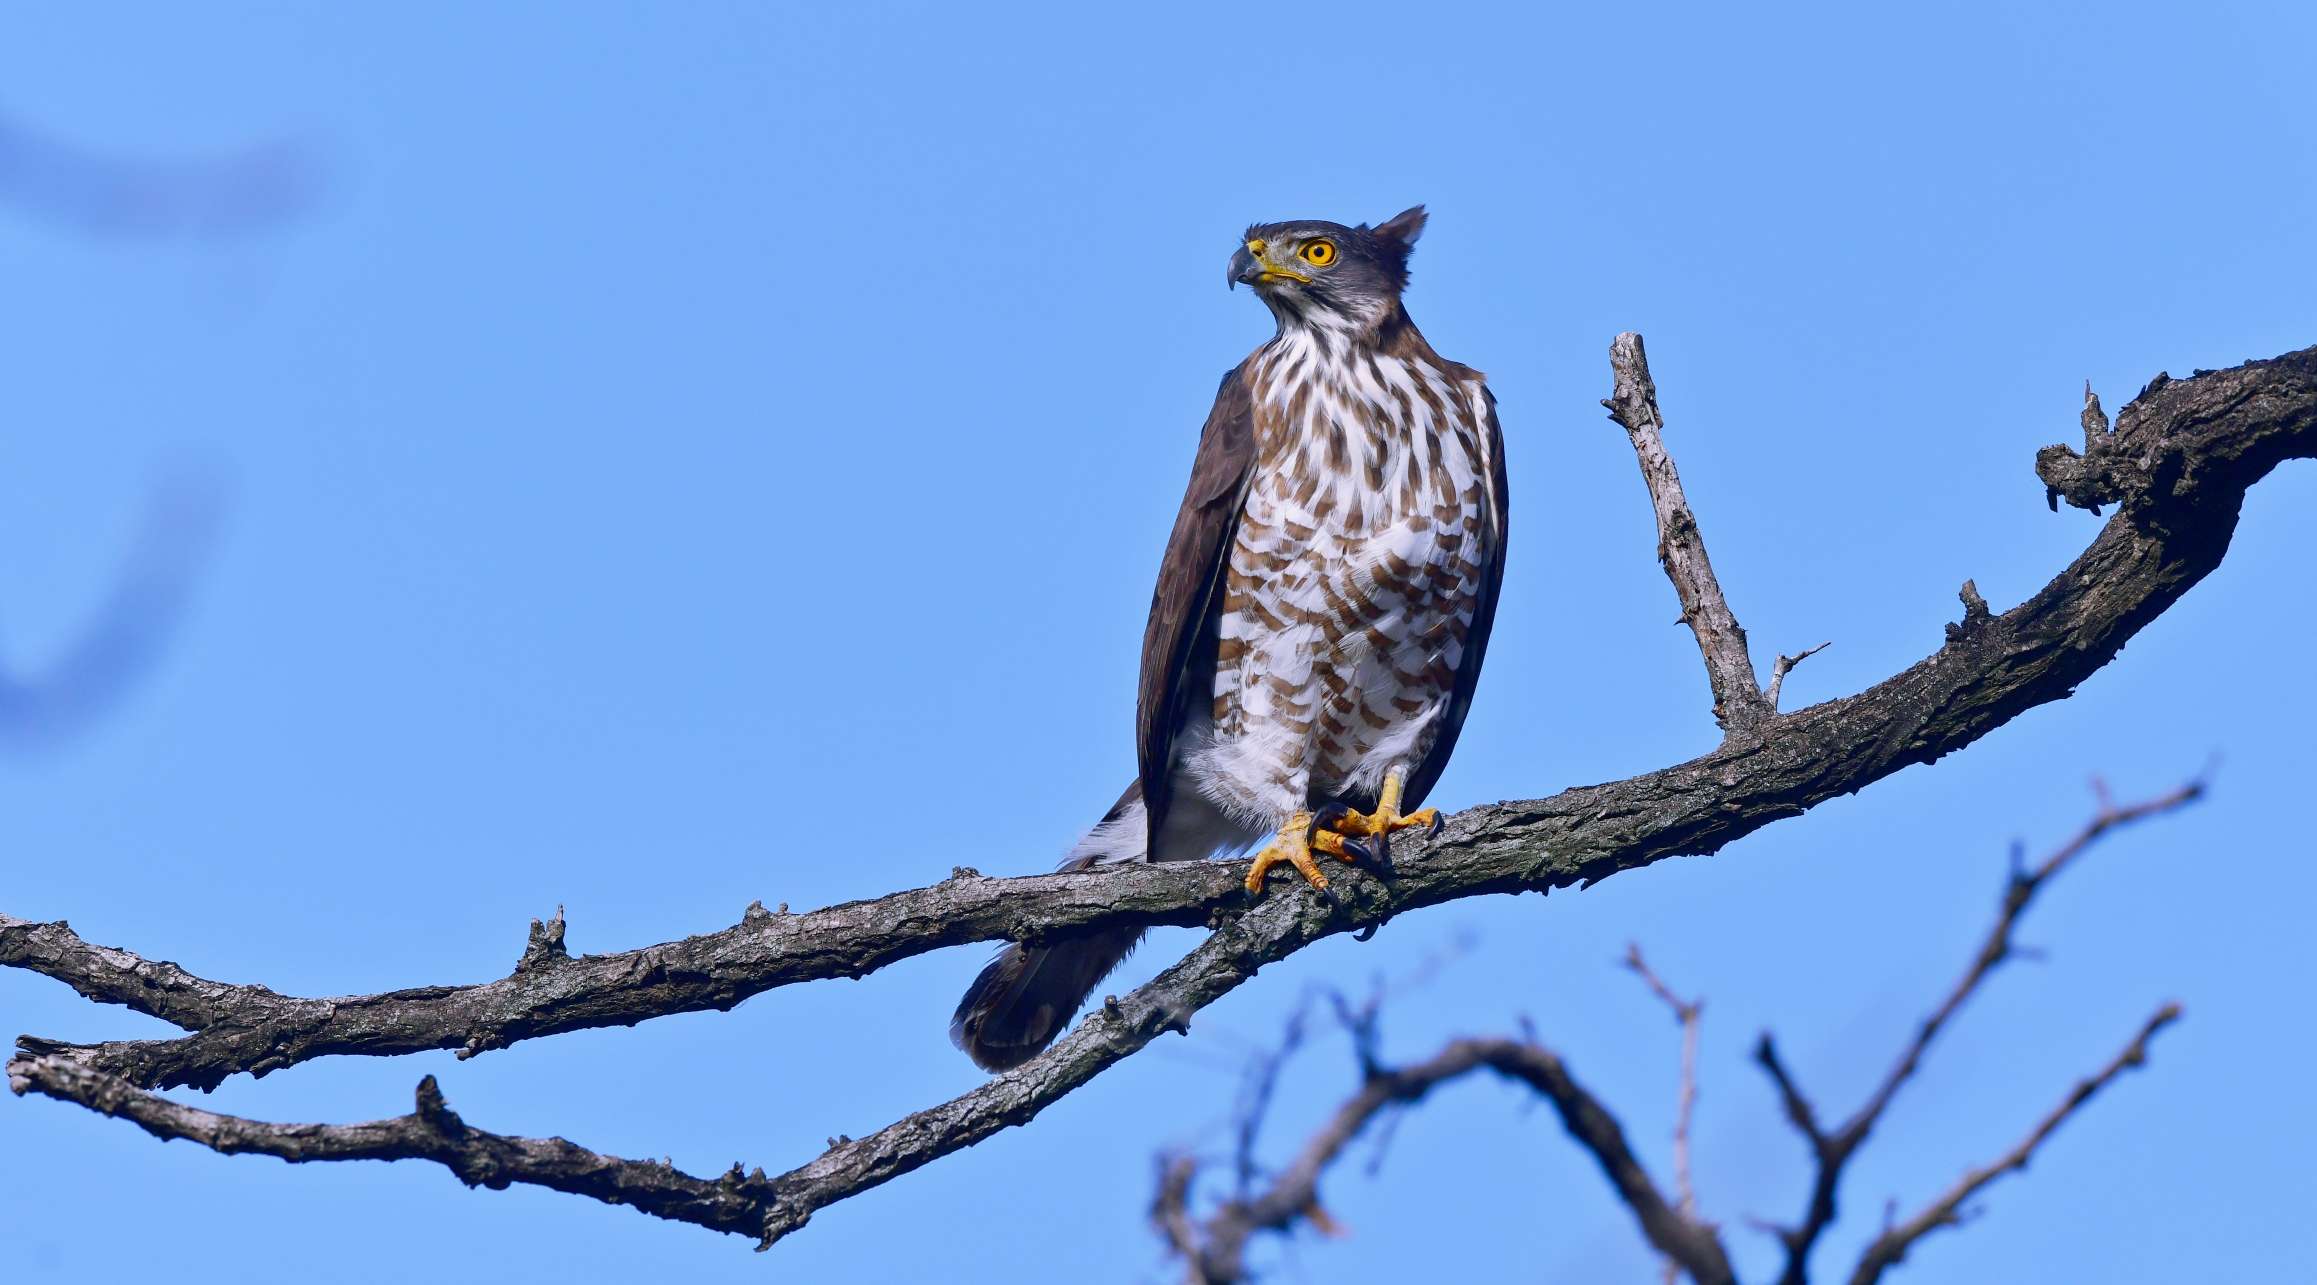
column 1319, row 254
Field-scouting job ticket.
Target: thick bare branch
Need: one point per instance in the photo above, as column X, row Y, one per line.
column 1739, row 705
column 2180, row 460
column 253, row 1029
column 1888, row 1249
column 735, row 1202
column 1216, row 1247
column 1832, row 1152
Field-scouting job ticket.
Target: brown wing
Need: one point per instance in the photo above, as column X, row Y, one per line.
column 1427, row 773
column 1190, row 589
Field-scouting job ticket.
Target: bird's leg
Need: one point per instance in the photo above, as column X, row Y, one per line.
column 1379, row 824
column 1293, row 845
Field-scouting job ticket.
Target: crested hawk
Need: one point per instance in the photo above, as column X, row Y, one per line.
column 1321, row 611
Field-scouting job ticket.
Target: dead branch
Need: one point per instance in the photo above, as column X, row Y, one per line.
column 2178, row 462
column 1690, row 1013
column 735, row 1202
column 1890, row 1248
column 1784, row 667
column 1215, row 1248
column 1739, row 706
column 1832, row 1152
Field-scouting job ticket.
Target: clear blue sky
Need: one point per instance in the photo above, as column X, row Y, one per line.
column 618, row 331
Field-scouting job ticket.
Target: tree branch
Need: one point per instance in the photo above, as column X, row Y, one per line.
column 1888, row 1249
column 735, row 1202
column 1739, row 706
column 1785, row 666
column 253, row 1029
column 2179, row 461
column 1831, row 1152
column 1690, row 1013
column 1216, row 1247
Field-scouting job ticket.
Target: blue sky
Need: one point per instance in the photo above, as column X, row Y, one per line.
column 686, row 453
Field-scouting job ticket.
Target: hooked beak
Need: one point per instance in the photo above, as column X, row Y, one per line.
column 1252, row 265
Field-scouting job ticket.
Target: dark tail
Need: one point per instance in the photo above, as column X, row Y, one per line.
column 1029, row 993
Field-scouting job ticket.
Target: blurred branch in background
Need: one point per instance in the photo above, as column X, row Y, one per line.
column 1213, row 1243
column 42, row 707
column 250, row 190
column 253, row 189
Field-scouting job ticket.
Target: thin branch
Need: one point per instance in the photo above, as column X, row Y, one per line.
column 1217, row 1247
column 1784, row 667
column 1262, row 1083
column 1170, row 1209
column 1790, row 1096
column 1831, row 1152
column 1739, row 705
column 736, row 1202
column 1891, row 1247
column 1690, row 1014
column 2019, row 891
column 2179, row 462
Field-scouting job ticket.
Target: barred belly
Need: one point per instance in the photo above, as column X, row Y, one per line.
column 1354, row 578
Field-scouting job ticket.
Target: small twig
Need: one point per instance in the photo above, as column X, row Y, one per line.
column 1892, row 1245
column 1738, row 704
column 1689, row 1013
column 1786, row 666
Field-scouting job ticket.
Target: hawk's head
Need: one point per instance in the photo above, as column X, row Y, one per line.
column 1312, row 270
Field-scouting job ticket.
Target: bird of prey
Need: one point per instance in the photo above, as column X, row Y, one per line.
column 1321, row 611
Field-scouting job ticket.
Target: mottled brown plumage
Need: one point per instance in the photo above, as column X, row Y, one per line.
column 1189, row 582
column 1322, row 610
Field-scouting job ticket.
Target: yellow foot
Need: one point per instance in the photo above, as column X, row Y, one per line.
column 1379, row 825
column 1293, row 846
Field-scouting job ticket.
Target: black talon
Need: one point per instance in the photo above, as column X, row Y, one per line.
column 1325, row 819
column 1438, row 822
